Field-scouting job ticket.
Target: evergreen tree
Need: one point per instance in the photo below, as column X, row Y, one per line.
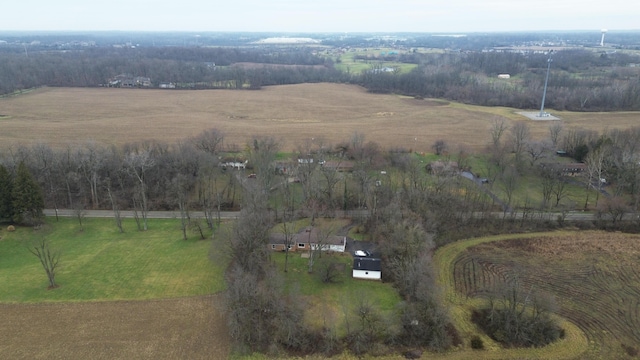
column 28, row 199
column 6, row 196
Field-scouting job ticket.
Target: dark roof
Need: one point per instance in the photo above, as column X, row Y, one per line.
column 371, row 264
column 308, row 235
column 339, row 165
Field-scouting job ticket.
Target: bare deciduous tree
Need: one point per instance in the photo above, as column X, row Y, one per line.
column 498, row 127
column 536, row 150
column 114, row 205
column 555, row 130
column 596, row 168
column 439, row 147
column 138, row 164
column 90, row 159
column 520, row 135
column 49, row 259
column 209, row 141
column 79, row 212
column 509, row 182
column 262, row 153
column 614, row 207
column 329, row 270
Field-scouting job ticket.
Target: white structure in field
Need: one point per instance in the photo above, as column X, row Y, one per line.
column 604, row 31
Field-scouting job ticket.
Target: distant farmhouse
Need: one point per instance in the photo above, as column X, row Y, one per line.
column 129, row 81
column 565, row 169
column 343, row 166
column 167, row 85
column 234, row 163
column 440, row 167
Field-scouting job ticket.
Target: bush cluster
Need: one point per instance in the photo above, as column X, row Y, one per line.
column 517, row 318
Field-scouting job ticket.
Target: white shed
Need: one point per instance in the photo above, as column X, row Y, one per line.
column 367, row 268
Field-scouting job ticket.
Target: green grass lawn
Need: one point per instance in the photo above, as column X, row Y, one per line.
column 100, row 263
column 330, row 301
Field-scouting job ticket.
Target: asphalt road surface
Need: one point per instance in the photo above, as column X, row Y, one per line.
column 570, row 216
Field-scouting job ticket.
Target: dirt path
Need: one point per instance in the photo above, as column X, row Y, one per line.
column 185, row 328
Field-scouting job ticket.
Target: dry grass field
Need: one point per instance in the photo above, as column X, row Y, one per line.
column 579, row 272
column 187, row 328
column 292, row 113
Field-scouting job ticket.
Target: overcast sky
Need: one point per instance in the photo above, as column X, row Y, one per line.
column 320, row 15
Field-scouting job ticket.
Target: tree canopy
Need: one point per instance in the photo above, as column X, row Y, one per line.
column 28, row 199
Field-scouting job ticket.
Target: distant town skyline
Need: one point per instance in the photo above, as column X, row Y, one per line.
column 306, row 16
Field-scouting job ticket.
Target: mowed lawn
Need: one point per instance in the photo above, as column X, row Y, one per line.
column 327, row 304
column 291, row 113
column 100, row 263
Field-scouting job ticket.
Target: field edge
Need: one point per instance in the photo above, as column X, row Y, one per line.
column 573, row 345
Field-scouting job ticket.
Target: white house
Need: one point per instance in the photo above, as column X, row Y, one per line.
column 366, row 268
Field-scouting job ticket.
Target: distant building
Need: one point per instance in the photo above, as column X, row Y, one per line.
column 565, row 169
column 339, row 165
column 504, row 76
column 167, row 85
column 129, row 81
column 440, row 167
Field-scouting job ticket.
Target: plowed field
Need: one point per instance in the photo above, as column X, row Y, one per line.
column 186, row 328
column 291, row 113
column 595, row 277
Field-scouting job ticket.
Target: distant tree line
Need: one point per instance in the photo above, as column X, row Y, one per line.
column 580, row 80
column 95, row 66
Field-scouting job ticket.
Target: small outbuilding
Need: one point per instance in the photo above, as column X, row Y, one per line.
column 367, row 268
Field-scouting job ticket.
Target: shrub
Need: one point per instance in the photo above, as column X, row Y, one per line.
column 477, row 343
column 630, row 350
column 519, row 318
column 11, row 228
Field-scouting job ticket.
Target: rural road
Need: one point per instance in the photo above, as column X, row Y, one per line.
column 129, row 214
column 570, row 216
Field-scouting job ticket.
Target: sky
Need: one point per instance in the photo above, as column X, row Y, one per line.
column 447, row 16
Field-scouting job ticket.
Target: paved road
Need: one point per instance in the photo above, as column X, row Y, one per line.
column 129, row 214
column 570, row 216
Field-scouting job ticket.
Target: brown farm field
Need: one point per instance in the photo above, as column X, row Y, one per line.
column 291, row 113
column 186, row 328
column 594, row 277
